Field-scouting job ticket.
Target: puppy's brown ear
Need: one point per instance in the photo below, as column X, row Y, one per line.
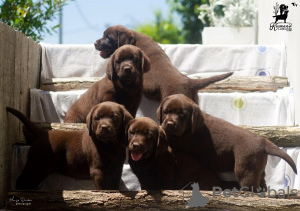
column 125, row 38
column 162, row 143
column 127, row 117
column 110, row 68
column 145, row 64
column 159, row 113
column 89, row 120
column 126, row 129
column 197, row 118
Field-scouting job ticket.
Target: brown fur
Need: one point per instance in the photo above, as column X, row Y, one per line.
column 123, row 84
column 97, row 152
column 188, row 170
column 163, row 79
column 156, row 165
column 215, row 143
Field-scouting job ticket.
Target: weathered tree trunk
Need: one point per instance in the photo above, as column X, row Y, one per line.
column 282, row 136
column 231, row 84
column 140, row 200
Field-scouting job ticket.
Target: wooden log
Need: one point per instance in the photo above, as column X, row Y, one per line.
column 67, row 84
column 141, row 200
column 282, row 136
column 231, row 84
column 248, row 84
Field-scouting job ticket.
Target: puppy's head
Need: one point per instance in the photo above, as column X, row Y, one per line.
column 127, row 64
column 145, row 138
column 106, row 121
column 113, row 38
column 178, row 114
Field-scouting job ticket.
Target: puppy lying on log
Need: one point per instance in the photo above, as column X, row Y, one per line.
column 98, row 152
column 156, row 165
column 123, row 84
column 163, row 79
column 217, row 144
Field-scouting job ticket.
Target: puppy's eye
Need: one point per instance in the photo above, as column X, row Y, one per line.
column 118, row 61
column 115, row 118
column 165, row 111
column 181, row 114
column 131, row 132
column 97, row 118
column 149, row 136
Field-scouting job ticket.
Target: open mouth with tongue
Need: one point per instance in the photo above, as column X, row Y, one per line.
column 106, row 53
column 136, row 156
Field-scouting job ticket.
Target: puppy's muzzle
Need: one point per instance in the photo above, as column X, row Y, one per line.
column 170, row 126
column 105, row 130
column 129, row 74
column 136, row 151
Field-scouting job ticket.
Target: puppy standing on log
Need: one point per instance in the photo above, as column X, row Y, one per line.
column 123, row 84
column 156, row 165
column 217, row 144
column 98, row 152
column 163, row 79
column 149, row 158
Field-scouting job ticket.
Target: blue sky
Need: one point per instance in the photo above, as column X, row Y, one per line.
column 85, row 20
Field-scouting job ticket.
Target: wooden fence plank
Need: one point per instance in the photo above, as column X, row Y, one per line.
column 8, row 62
column 3, row 146
column 14, row 92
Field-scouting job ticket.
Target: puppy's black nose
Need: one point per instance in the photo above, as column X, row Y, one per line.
column 136, row 146
column 127, row 69
column 170, row 123
column 104, row 127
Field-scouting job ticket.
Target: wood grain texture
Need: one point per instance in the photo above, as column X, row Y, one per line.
column 231, row 84
column 19, row 65
column 283, row 136
column 142, row 200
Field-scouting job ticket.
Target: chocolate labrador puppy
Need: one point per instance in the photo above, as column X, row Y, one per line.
column 159, row 167
column 163, row 79
column 123, row 84
column 149, row 158
column 217, row 144
column 97, row 152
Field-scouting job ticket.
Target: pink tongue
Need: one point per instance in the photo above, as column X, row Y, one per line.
column 136, row 156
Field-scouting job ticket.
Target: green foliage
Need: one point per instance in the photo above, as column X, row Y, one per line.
column 163, row 30
column 30, row 16
column 189, row 11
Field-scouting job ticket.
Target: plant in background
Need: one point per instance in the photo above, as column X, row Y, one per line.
column 191, row 25
column 30, row 16
column 162, row 30
column 235, row 13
